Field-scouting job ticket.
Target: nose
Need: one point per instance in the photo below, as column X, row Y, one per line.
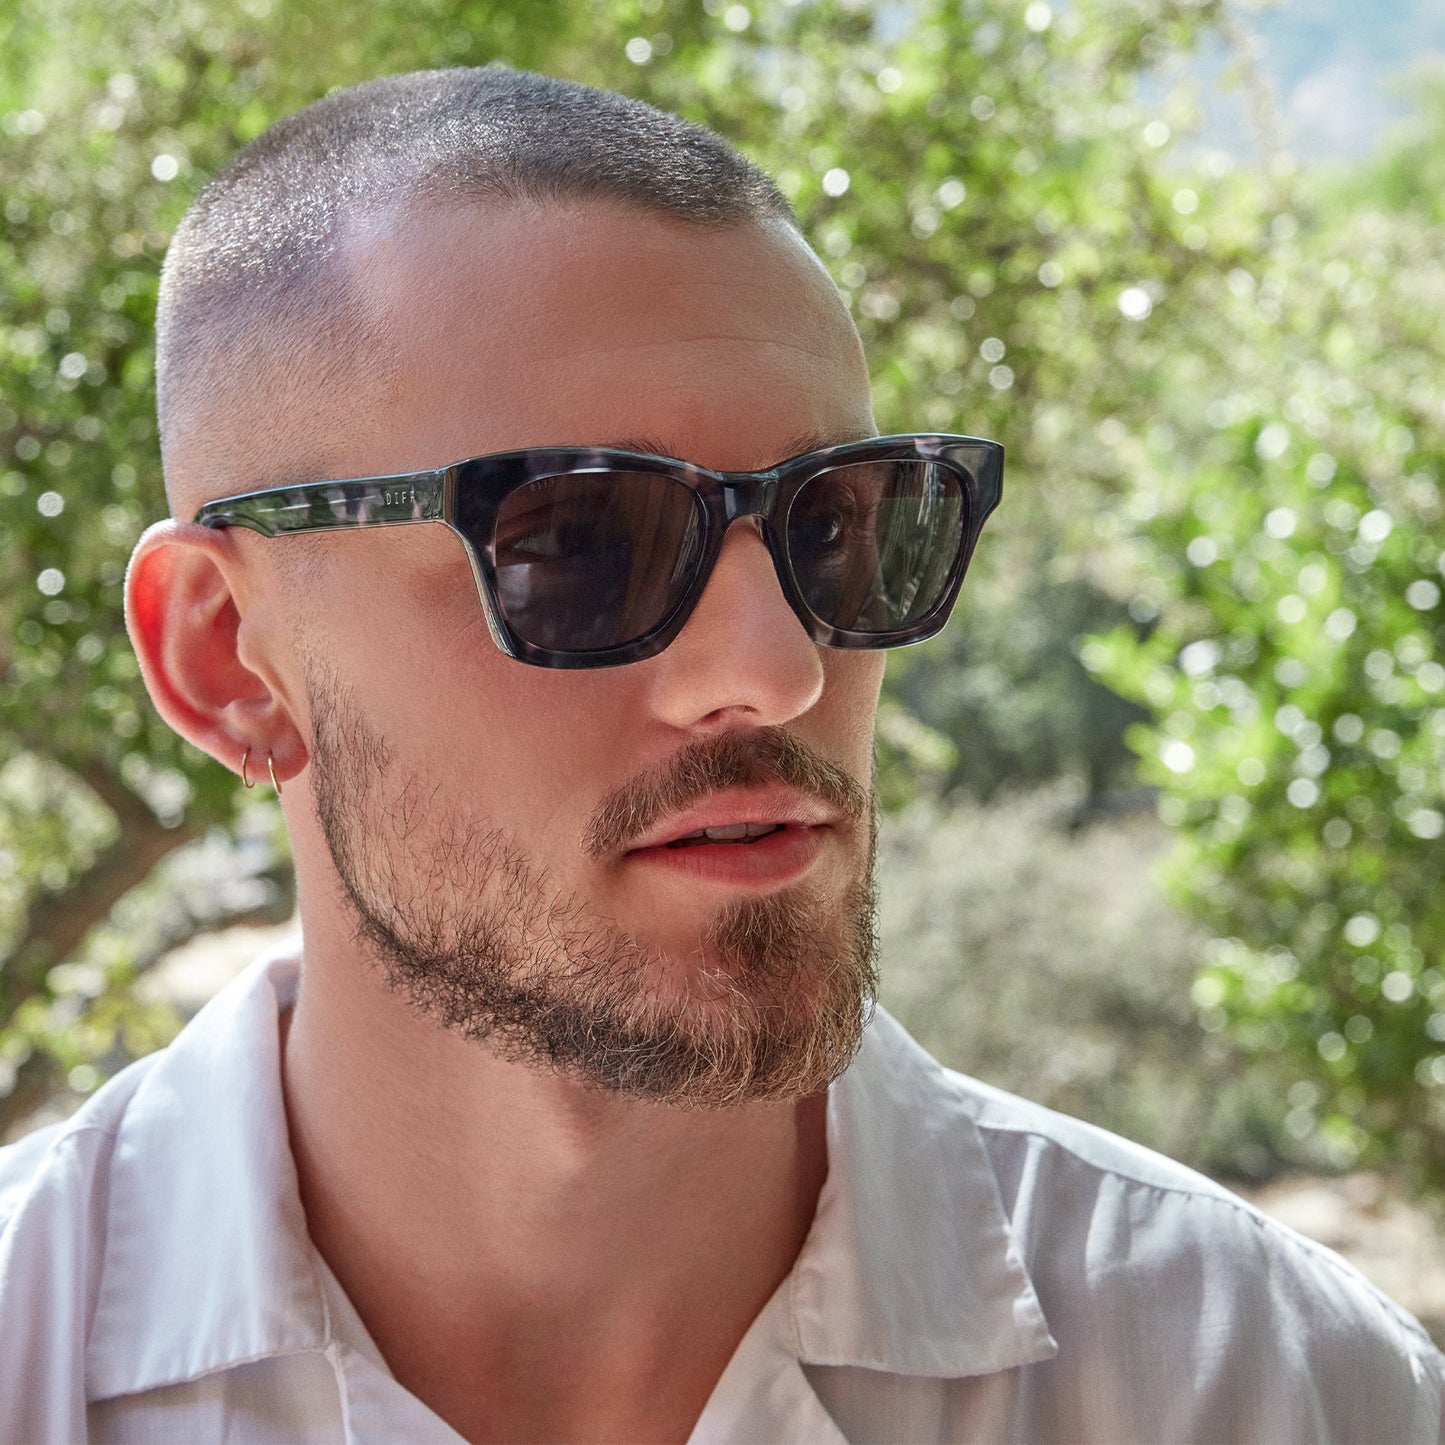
column 743, row 659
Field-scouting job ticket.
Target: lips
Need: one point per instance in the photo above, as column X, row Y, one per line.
column 739, row 816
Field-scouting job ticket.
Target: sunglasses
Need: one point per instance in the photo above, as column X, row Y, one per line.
column 589, row 557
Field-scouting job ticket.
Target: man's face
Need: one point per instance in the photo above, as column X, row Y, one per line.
column 505, row 833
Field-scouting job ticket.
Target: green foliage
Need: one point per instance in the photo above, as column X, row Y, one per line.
column 1295, row 673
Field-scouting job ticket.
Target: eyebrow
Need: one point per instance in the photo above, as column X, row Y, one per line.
column 795, row 447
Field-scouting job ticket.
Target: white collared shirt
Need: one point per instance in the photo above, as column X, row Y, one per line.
column 979, row 1269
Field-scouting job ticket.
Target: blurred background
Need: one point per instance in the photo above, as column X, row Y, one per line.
column 1165, row 823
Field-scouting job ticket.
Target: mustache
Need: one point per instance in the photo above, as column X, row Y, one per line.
column 733, row 760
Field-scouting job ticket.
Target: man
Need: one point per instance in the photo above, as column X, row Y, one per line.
column 567, row 1125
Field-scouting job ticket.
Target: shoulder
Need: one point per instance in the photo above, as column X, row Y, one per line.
column 53, row 1225
column 1178, row 1309
column 53, row 1186
column 1138, row 1258
column 64, row 1161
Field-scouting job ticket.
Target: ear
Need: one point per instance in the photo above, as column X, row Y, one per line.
column 188, row 604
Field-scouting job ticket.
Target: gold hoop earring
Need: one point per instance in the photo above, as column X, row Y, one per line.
column 245, row 776
column 270, row 768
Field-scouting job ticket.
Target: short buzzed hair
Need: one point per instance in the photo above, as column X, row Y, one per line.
column 252, row 285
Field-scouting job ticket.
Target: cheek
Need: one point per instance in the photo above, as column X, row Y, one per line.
column 394, row 621
column 850, row 698
column 531, row 750
column 533, row 746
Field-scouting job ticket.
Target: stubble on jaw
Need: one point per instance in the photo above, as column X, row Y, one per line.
column 474, row 935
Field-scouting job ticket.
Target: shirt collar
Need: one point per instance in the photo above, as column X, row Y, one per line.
column 910, row 1265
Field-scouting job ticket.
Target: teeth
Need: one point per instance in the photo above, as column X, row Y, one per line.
column 736, row 832
column 729, row 833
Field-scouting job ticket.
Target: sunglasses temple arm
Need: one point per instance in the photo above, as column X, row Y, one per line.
column 326, row 506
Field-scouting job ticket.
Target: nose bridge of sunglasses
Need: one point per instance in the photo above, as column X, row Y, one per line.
column 749, row 494
column 750, row 498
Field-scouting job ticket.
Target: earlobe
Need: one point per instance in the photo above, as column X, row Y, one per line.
column 185, row 600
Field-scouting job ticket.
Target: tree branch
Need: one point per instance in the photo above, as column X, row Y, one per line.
column 59, row 923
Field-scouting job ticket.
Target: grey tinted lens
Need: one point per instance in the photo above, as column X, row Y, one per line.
column 873, row 544
column 592, row 560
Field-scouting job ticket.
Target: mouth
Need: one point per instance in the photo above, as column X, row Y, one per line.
column 748, row 838
column 737, row 817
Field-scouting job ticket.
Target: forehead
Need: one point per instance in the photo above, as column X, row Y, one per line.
column 590, row 324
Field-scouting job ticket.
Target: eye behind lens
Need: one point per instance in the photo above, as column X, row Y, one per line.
column 873, row 545
column 595, row 560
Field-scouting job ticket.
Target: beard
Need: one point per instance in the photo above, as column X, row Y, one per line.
column 474, row 935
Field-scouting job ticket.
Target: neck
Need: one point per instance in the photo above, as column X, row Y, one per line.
column 534, row 1259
